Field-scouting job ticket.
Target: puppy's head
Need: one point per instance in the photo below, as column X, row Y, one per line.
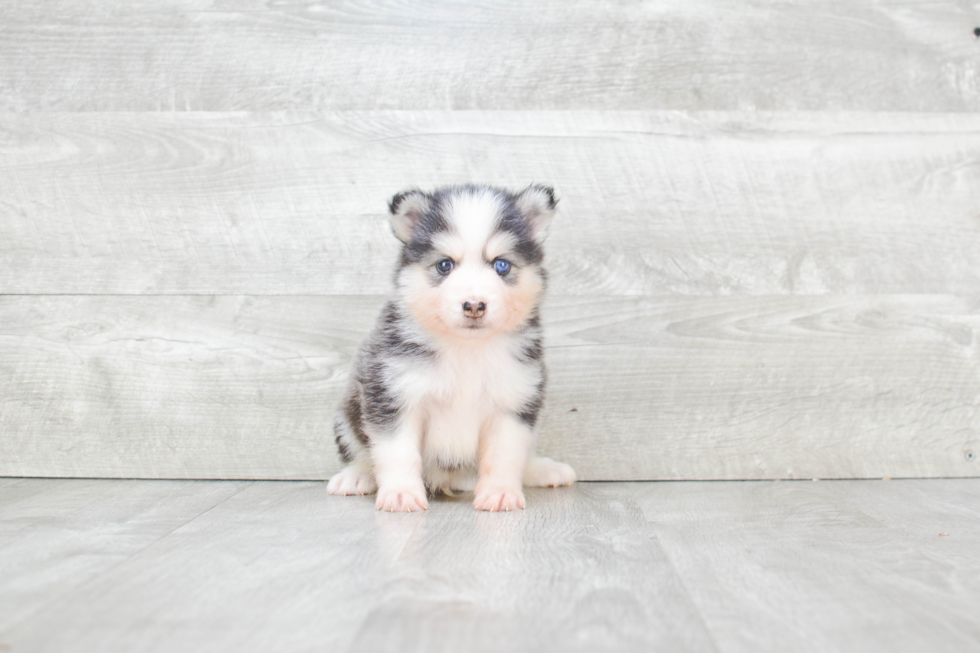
column 471, row 261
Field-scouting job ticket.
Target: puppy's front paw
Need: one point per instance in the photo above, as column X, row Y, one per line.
column 402, row 498
column 351, row 480
column 499, row 498
column 545, row 472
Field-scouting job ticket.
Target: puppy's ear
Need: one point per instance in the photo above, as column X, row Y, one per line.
column 537, row 205
column 407, row 209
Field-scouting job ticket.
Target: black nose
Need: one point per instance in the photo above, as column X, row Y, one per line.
column 477, row 310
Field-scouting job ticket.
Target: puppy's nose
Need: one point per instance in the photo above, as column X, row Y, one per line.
column 474, row 309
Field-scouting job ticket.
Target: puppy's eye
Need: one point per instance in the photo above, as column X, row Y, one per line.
column 445, row 266
column 501, row 266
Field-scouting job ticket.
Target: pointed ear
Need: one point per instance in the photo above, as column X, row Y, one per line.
column 537, row 205
column 407, row 209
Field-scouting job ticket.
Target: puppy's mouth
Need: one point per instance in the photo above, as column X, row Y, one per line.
column 474, row 324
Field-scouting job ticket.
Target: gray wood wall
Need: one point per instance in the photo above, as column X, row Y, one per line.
column 766, row 263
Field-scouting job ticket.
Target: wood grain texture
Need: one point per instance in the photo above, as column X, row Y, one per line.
column 284, row 566
column 652, row 203
column 58, row 535
column 640, row 388
column 831, row 566
column 765, row 264
column 202, row 55
column 729, row 567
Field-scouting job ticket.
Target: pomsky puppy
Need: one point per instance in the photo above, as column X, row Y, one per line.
column 446, row 391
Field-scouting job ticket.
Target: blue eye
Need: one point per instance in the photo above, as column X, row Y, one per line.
column 501, row 266
column 445, row 266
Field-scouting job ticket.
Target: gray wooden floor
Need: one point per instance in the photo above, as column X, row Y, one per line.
column 116, row 565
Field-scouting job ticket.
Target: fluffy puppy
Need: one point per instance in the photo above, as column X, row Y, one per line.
column 446, row 391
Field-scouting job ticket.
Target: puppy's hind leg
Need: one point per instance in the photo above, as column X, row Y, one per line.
column 545, row 472
column 356, row 478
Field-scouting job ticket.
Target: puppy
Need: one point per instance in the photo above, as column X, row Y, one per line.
column 446, row 391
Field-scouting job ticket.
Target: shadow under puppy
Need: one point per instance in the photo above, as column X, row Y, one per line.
column 446, row 391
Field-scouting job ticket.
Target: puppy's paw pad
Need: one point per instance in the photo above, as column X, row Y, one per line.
column 545, row 472
column 499, row 499
column 352, row 480
column 401, row 499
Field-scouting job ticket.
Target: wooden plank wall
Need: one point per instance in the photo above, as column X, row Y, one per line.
column 766, row 263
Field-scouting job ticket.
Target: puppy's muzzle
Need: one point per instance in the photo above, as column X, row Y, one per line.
column 474, row 309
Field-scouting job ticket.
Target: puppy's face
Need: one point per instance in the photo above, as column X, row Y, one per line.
column 470, row 266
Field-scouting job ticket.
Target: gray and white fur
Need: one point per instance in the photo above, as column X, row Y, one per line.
column 446, row 391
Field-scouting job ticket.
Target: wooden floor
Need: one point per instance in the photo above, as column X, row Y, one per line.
column 116, row 565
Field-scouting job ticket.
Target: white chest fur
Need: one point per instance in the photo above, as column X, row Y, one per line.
column 466, row 389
